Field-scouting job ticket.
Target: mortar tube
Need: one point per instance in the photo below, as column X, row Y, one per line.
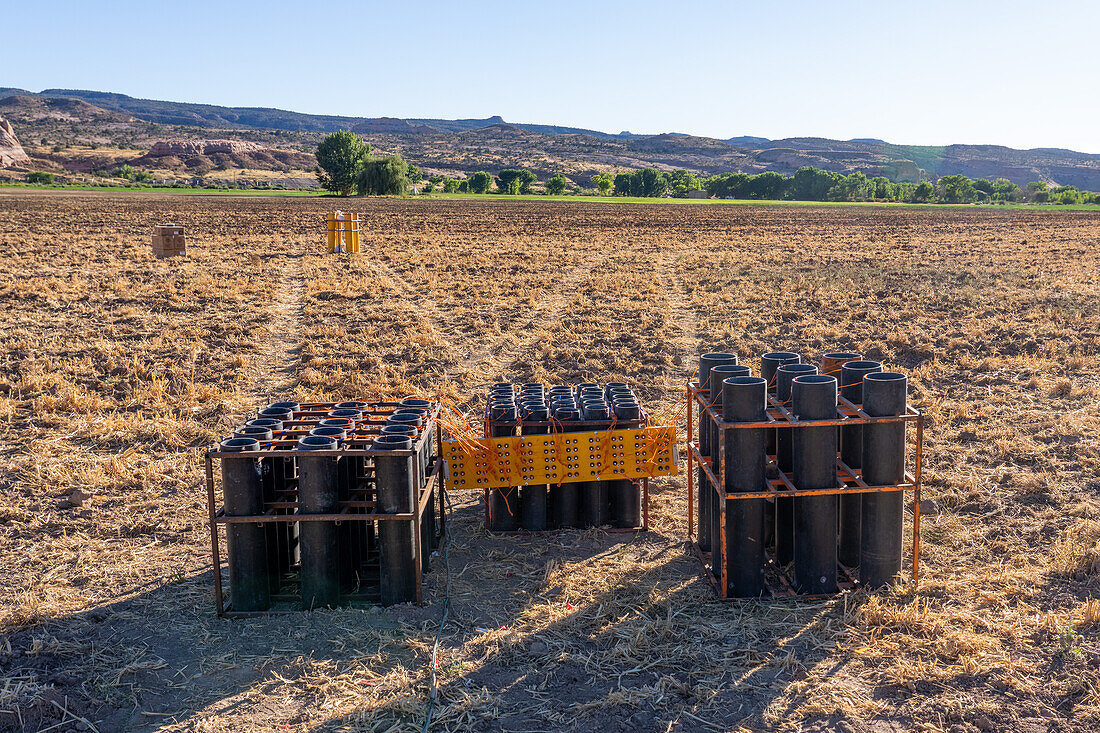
column 769, row 364
column 352, row 405
column 318, row 493
column 627, row 409
column 594, row 497
column 851, row 452
column 784, row 438
column 565, row 498
column 336, row 422
column 744, row 400
column 504, row 503
column 883, row 465
column 532, row 498
column 718, row 374
column 347, row 469
column 814, row 457
column 425, row 455
column 406, row 419
column 283, row 537
column 348, row 413
column 256, row 432
column 397, row 566
column 834, row 360
column 612, row 388
column 278, row 413
column 625, row 494
column 271, row 529
column 292, row 406
column 271, row 423
column 704, row 490
column 830, row 366
column 243, row 495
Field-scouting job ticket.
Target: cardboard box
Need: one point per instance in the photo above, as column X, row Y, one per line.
column 168, row 241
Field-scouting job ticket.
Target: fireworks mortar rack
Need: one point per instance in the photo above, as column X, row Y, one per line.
column 802, row 475
column 326, row 504
column 567, row 456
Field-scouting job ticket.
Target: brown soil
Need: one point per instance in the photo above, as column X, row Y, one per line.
column 117, row 368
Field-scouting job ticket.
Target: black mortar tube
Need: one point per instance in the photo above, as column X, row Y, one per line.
column 744, row 399
column 851, row 452
column 395, row 495
column 319, row 542
column 883, row 465
column 595, row 496
column 532, row 498
column 769, row 365
column 503, row 500
column 276, row 471
column 814, row 459
column 784, row 438
column 706, row 362
column 626, row 495
column 566, row 497
column 345, row 482
column 243, row 492
column 718, row 374
column 263, row 434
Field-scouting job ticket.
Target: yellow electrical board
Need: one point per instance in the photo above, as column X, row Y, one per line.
column 561, row 458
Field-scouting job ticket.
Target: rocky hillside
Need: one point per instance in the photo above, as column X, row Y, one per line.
column 12, row 154
column 84, row 131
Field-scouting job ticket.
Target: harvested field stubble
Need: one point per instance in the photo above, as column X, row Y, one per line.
column 115, row 368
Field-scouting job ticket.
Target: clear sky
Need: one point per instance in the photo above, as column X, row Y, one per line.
column 1022, row 74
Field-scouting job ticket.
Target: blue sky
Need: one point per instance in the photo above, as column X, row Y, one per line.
column 1022, row 74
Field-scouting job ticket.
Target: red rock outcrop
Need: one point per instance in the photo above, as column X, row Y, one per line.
column 11, row 152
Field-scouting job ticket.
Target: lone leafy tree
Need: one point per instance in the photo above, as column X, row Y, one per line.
column 383, row 177
column 341, row 157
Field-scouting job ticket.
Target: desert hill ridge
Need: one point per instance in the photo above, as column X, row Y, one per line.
column 461, row 146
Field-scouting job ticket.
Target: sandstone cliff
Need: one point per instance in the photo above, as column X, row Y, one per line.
column 11, row 152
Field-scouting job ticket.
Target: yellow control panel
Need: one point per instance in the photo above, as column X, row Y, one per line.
column 560, row 458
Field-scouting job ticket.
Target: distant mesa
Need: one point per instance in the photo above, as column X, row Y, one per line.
column 392, row 126
column 23, row 108
column 189, row 148
column 11, row 152
column 747, row 141
column 499, row 127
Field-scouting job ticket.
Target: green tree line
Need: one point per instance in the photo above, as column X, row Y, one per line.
column 345, row 163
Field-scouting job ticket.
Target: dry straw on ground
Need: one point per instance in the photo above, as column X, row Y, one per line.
column 116, row 368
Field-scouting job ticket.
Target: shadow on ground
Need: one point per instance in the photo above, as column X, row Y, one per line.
column 577, row 630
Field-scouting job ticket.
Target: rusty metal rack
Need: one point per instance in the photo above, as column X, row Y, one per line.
column 281, row 505
column 781, row 485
